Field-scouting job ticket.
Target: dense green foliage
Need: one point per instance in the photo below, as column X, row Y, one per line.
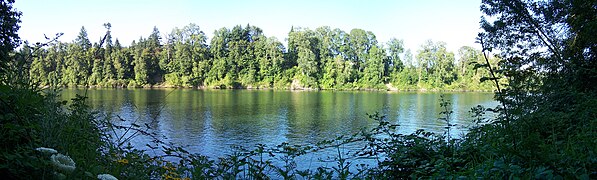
column 545, row 128
column 8, row 28
column 548, row 114
column 243, row 57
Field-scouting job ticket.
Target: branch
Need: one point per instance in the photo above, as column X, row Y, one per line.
column 494, row 78
column 518, row 5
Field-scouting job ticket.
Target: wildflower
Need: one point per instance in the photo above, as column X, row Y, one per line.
column 106, row 177
column 46, row 150
column 169, row 168
column 63, row 163
column 123, row 161
column 167, row 176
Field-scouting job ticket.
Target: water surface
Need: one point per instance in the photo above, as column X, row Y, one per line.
column 209, row 122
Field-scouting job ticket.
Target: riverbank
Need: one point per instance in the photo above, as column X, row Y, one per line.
column 389, row 88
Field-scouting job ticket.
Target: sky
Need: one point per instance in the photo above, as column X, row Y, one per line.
column 455, row 22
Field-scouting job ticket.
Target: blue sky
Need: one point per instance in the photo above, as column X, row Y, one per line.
column 455, row 22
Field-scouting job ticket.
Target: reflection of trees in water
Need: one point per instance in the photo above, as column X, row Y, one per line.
column 209, row 121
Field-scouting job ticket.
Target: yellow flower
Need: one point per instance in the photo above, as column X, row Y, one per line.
column 168, row 177
column 123, row 161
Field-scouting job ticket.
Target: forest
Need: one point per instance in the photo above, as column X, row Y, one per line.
column 243, row 57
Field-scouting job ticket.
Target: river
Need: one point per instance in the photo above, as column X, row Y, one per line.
column 209, row 122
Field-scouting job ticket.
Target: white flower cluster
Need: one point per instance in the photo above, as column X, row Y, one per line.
column 106, row 177
column 63, row 163
column 46, row 150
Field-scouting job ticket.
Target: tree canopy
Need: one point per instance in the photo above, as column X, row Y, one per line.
column 243, row 57
column 9, row 38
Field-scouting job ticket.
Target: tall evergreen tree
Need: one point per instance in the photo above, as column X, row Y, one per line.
column 9, row 40
column 82, row 40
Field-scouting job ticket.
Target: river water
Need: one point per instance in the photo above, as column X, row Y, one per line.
column 209, row 122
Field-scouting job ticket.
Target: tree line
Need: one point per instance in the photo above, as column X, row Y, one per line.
column 243, row 57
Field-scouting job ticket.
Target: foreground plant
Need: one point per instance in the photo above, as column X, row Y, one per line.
column 63, row 163
column 106, row 177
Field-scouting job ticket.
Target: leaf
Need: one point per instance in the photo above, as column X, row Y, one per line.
column 483, row 79
column 479, row 65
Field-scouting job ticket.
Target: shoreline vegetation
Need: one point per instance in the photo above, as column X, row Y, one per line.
column 544, row 79
column 388, row 89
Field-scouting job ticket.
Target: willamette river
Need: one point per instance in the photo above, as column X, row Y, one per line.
column 209, row 122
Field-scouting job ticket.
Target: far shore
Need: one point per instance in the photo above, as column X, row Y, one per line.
column 268, row 88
